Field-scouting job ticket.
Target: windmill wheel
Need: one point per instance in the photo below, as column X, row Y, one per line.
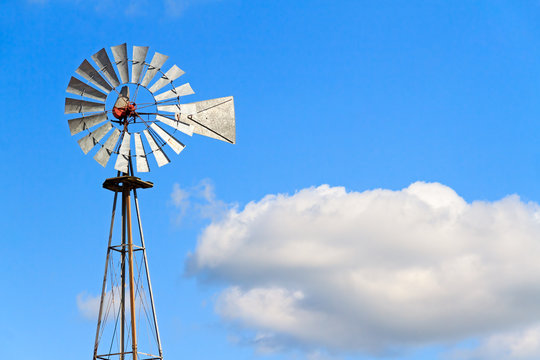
column 113, row 110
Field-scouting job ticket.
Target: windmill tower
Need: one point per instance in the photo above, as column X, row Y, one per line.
column 110, row 112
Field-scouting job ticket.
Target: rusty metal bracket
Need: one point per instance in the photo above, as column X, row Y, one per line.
column 128, row 183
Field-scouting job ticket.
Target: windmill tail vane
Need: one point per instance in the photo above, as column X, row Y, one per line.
column 115, row 104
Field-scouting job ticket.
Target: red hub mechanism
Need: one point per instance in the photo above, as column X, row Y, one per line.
column 122, row 112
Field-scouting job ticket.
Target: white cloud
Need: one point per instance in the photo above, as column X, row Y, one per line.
column 88, row 306
column 522, row 344
column 199, row 200
column 375, row 271
column 176, row 7
column 171, row 8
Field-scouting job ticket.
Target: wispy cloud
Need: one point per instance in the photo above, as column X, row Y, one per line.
column 136, row 8
column 522, row 344
column 199, row 201
column 88, row 305
column 176, row 7
column 330, row 270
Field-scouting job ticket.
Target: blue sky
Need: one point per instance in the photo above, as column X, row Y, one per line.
column 394, row 130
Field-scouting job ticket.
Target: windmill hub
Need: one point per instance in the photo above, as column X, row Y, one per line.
column 123, row 107
column 126, row 111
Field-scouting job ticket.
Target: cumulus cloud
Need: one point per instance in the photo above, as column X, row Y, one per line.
column 376, row 271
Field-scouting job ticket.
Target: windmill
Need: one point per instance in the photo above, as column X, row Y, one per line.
column 111, row 111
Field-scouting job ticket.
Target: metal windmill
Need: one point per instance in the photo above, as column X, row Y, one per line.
column 124, row 109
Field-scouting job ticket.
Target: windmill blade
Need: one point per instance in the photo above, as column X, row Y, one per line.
column 104, row 154
column 176, row 145
column 81, row 106
column 122, row 161
column 172, row 74
column 142, row 161
column 182, row 90
column 104, row 63
column 139, row 56
column 92, row 139
column 157, row 62
column 175, row 108
column 88, row 72
column 159, row 154
column 121, row 60
column 187, row 109
column 86, row 122
column 178, row 125
column 214, row 118
column 78, row 87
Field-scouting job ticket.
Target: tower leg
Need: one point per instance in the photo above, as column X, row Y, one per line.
column 127, row 195
column 103, row 288
column 123, row 282
column 158, row 338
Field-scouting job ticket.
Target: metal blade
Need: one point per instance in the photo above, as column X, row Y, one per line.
column 142, row 162
column 176, row 145
column 120, row 57
column 88, row 72
column 178, row 125
column 172, row 74
column 187, row 109
column 182, row 90
column 214, row 118
column 78, row 87
column 159, row 154
column 157, row 62
column 82, row 106
column 104, row 154
column 122, row 161
column 86, row 122
column 89, row 141
column 104, row 63
column 169, row 108
column 139, row 56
